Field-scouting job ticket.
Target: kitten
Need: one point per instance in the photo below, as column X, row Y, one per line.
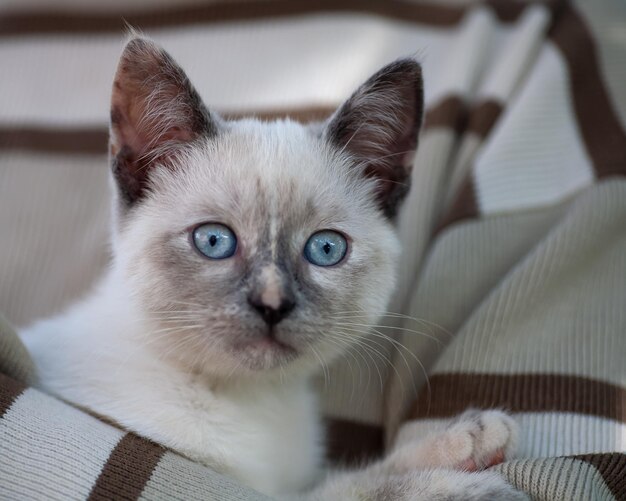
column 236, row 245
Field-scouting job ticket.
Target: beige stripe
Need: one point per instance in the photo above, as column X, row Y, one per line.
column 177, row 478
column 535, row 156
column 257, row 67
column 460, row 171
column 516, row 58
column 466, row 54
column 465, row 205
column 556, row 479
column 49, row 449
column 63, row 220
column 560, row 310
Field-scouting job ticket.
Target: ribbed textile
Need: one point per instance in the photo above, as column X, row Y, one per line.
column 512, row 281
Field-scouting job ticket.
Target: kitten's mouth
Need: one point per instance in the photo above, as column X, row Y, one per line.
column 266, row 351
column 270, row 342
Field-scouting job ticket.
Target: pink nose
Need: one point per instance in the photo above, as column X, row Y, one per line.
column 270, row 314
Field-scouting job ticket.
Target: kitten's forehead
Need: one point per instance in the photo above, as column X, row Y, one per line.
column 279, row 176
column 281, row 157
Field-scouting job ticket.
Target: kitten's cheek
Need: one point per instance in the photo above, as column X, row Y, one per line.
column 325, row 278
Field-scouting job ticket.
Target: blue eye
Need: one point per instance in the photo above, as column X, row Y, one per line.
column 215, row 241
column 325, row 248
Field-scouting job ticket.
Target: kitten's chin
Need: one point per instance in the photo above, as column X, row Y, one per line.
column 264, row 353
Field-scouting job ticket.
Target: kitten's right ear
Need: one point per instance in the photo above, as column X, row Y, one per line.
column 155, row 112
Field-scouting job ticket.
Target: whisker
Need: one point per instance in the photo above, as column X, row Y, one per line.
column 399, row 347
column 371, row 326
column 324, row 367
column 359, row 313
column 386, row 358
column 370, row 351
column 345, row 349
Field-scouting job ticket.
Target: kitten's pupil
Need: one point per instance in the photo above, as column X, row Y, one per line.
column 212, row 240
column 327, row 247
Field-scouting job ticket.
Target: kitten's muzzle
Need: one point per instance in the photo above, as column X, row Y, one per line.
column 272, row 314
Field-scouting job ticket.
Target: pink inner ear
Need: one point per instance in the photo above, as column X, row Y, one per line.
column 152, row 105
column 143, row 123
column 123, row 133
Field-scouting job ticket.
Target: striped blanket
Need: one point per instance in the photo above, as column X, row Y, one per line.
column 512, row 288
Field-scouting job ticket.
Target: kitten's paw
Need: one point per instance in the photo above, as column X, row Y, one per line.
column 480, row 439
column 474, row 441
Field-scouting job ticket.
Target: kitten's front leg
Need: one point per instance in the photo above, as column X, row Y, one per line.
column 374, row 484
column 474, row 441
column 444, row 466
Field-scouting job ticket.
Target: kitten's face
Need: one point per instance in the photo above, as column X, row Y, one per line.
column 251, row 292
column 274, row 186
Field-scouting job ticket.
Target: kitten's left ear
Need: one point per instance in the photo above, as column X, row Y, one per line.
column 378, row 126
column 155, row 112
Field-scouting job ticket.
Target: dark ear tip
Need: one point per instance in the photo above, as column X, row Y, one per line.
column 138, row 44
column 409, row 64
column 406, row 67
column 405, row 73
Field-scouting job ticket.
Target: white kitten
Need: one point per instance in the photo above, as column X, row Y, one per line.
column 236, row 247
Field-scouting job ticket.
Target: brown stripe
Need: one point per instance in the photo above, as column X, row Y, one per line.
column 10, row 389
column 465, row 206
column 449, row 112
column 483, row 117
column 602, row 132
column 54, row 21
column 612, row 467
column 452, row 393
column 127, row 470
column 82, row 140
column 55, row 140
column 352, row 443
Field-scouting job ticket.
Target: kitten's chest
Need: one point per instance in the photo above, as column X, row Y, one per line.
column 268, row 440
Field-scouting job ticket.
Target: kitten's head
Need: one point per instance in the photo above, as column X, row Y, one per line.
column 247, row 245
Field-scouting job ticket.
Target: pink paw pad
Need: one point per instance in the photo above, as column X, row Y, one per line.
column 492, row 435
